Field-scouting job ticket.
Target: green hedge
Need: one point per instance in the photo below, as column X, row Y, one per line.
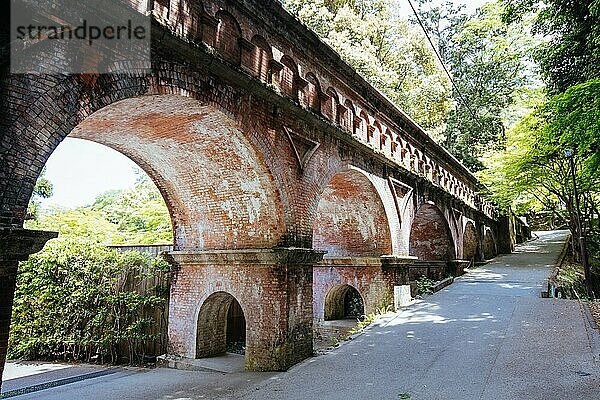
column 77, row 300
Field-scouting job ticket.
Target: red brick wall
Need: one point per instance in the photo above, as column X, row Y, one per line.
column 351, row 219
column 374, row 285
column 430, row 237
column 228, row 36
column 489, row 245
column 276, row 301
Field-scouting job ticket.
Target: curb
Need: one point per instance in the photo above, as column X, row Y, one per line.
column 58, row 382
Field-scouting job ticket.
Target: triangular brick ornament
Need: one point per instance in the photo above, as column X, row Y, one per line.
column 303, row 148
column 401, row 192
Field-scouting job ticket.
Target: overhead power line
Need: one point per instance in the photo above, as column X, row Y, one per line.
column 435, row 50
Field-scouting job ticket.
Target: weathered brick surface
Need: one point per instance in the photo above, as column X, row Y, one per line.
column 276, row 301
column 351, row 220
column 430, row 236
column 372, row 283
column 215, row 202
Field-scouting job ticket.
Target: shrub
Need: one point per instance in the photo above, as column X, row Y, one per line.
column 79, row 300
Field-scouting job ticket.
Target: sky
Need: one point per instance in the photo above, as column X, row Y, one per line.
column 81, row 170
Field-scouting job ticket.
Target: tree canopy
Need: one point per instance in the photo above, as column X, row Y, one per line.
column 132, row 216
column 488, row 60
column 390, row 53
column 570, row 53
column 535, row 168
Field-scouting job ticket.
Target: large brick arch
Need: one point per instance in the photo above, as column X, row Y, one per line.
column 350, row 218
column 64, row 102
column 34, row 125
column 219, row 193
column 430, row 235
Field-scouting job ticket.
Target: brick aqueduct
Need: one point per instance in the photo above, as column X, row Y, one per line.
column 289, row 179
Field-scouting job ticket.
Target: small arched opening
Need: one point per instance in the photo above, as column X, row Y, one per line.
column 221, row 326
column 261, row 58
column 228, row 36
column 343, row 302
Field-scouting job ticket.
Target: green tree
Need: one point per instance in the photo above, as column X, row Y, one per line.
column 571, row 52
column 42, row 190
column 132, row 216
column 139, row 213
column 534, row 169
column 487, row 59
column 78, row 300
column 390, row 53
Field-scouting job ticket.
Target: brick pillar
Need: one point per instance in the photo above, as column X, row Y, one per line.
column 273, row 288
column 16, row 244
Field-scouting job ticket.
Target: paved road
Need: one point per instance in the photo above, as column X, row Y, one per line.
column 488, row 336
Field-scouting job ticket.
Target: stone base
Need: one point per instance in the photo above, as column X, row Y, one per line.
column 227, row 363
column 402, row 296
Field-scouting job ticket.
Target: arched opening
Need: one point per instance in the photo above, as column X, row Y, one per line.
column 349, row 117
column 312, row 93
column 350, row 219
column 228, row 36
column 261, row 58
column 331, row 106
column 288, row 77
column 430, row 236
column 217, row 189
column 221, row 326
column 343, row 302
column 470, row 242
column 363, row 130
column 489, row 245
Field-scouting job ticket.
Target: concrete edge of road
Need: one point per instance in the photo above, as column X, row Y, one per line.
column 593, row 330
column 59, row 382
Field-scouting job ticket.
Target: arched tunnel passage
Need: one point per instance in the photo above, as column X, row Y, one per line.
column 343, row 302
column 221, row 326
